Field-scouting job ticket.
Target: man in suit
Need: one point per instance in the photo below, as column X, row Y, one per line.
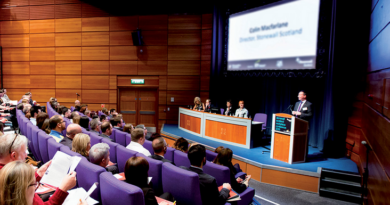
column 116, row 122
column 106, row 131
column 95, row 126
column 71, row 131
column 99, row 154
column 160, row 148
column 208, row 185
column 302, row 108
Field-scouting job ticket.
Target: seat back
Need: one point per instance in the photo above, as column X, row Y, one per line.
column 87, row 174
column 53, row 147
column 120, row 138
column 261, row 117
column 123, row 154
column 185, row 192
column 112, row 136
column 128, row 139
column 219, row 172
column 114, row 191
column 113, row 146
column 95, row 138
column 210, row 156
column 43, row 147
column 34, row 137
column 222, row 111
column 71, row 108
column 148, row 145
column 181, row 159
column 66, row 150
column 67, row 123
column 169, row 154
column 155, row 171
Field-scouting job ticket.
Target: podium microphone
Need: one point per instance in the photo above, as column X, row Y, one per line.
column 77, row 94
column 288, row 108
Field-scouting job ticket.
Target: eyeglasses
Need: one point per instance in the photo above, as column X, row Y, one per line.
column 36, row 185
column 12, row 143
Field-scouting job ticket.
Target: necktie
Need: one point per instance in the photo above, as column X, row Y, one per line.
column 299, row 107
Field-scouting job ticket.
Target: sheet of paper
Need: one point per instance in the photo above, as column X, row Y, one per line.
column 57, row 170
column 117, row 176
column 75, row 195
column 75, row 161
column 93, row 187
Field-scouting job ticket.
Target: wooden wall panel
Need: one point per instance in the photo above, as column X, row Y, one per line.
column 162, row 82
column 152, row 53
column 121, row 38
column 183, row 83
column 17, row 81
column 42, row 81
column 184, row 22
column 43, row 95
column 123, row 67
column 95, row 67
column 204, row 95
column 94, row 82
column 172, row 113
column 64, row 11
column 40, row 68
column 183, row 67
column 162, row 112
column 254, row 171
column 18, row 40
column 184, row 53
column 93, row 96
column 68, row 39
column 68, row 81
column 184, row 37
column 96, row 24
column 68, row 95
column 89, row 10
column 42, row 40
column 123, row 53
column 206, row 53
column 291, row 180
column 162, row 97
column 16, row 68
column 113, row 96
column 356, row 118
column 112, row 83
column 205, row 68
column 42, row 26
column 153, row 22
column 204, row 83
column 41, row 2
column 94, row 107
column 123, row 23
column 68, row 67
column 68, row 53
column 42, row 12
column 207, row 37
column 155, row 38
column 152, row 67
column 378, row 181
column 15, row 13
column 16, row 54
column 95, row 53
column 42, row 54
column 181, row 97
column 68, row 25
column 95, row 39
column 14, row 27
column 207, row 21
column 16, row 94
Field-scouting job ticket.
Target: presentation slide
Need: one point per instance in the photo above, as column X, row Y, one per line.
column 278, row 37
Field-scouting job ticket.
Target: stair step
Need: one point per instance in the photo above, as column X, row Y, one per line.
column 341, row 175
column 341, row 172
column 341, row 192
column 340, row 181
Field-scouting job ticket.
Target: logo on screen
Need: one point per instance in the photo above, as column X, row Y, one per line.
column 279, row 63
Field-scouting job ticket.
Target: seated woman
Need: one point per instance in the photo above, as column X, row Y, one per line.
column 241, row 112
column 229, row 109
column 84, row 121
column 181, row 144
column 139, row 167
column 128, row 128
column 46, row 126
column 224, row 158
column 82, row 144
column 198, row 104
column 76, row 119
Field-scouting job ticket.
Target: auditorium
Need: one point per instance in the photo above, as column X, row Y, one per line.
column 188, row 103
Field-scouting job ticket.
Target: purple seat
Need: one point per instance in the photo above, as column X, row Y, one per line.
column 112, row 136
column 210, row 155
column 242, row 175
column 34, row 140
column 53, row 147
column 87, row 174
column 169, row 154
column 95, row 138
column 114, row 191
column 181, row 159
column 66, row 150
column 113, row 146
column 123, row 154
column 148, row 145
column 128, row 139
column 67, row 123
column 222, row 111
column 71, row 108
column 219, row 172
column 261, row 117
column 120, row 138
column 43, row 146
column 246, row 196
column 155, row 169
column 185, row 192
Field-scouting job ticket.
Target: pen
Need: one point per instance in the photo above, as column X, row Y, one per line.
column 174, row 203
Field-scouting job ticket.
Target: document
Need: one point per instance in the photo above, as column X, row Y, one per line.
column 76, row 194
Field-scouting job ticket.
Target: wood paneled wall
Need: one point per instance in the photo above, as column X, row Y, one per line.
column 56, row 48
column 370, row 119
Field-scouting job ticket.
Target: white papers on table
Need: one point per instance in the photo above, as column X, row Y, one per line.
column 76, row 194
column 60, row 166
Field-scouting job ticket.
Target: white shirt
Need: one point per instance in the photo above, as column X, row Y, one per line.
column 34, row 121
column 135, row 146
column 241, row 113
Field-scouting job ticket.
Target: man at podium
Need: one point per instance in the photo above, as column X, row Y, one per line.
column 302, row 108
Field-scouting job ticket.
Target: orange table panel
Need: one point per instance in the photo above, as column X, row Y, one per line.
column 226, row 131
column 190, row 123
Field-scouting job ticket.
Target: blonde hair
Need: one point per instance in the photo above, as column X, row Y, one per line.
column 15, row 178
column 197, row 99
column 76, row 119
column 80, row 144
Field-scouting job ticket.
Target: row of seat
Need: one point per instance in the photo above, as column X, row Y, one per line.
column 44, row 148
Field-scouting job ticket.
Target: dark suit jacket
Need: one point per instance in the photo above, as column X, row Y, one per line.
column 105, row 136
column 67, row 142
column 158, row 157
column 306, row 112
column 209, row 188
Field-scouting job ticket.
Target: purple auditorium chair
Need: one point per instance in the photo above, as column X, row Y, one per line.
column 187, row 191
column 169, row 154
column 43, row 148
column 87, row 174
column 67, row 123
column 114, row 191
column 123, row 154
column 120, row 138
column 33, row 140
column 148, row 145
column 181, row 159
column 222, row 111
column 128, row 139
column 99, row 113
column 112, row 136
column 246, row 196
column 210, row 155
column 95, row 139
column 71, row 108
column 219, row 172
column 261, row 117
column 66, row 150
column 155, row 169
column 113, row 146
column 53, row 147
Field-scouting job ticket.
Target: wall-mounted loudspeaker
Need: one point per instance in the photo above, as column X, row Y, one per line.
column 137, row 38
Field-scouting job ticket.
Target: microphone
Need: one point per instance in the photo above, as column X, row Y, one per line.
column 287, row 108
column 366, row 145
column 77, row 94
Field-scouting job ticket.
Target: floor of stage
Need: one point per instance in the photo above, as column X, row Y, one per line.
column 315, row 157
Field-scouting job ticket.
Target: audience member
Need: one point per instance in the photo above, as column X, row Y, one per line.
column 207, row 184
column 71, row 131
column 66, row 112
column 77, row 108
column 95, row 126
column 218, row 149
column 57, row 125
column 87, row 113
column 160, row 148
column 34, row 113
column 76, row 103
column 83, row 108
column 84, row 122
column 106, row 130
column 111, row 111
column 2, row 128
column 103, row 118
column 147, row 135
column 139, row 167
column 41, row 119
column 137, row 140
column 181, row 144
column 5, row 96
column 76, row 119
column 46, row 126
column 26, row 108
column 154, row 136
column 82, row 144
column 116, row 122
column 99, row 154
column 128, row 128
column 72, row 115
column 105, row 111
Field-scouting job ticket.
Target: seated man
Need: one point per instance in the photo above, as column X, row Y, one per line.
column 87, row 113
column 147, row 135
column 95, row 126
column 208, row 185
column 116, row 122
column 71, row 131
column 103, row 118
column 99, row 154
column 76, row 103
column 34, row 113
column 66, row 112
column 160, row 148
column 106, row 131
column 56, row 125
column 137, row 140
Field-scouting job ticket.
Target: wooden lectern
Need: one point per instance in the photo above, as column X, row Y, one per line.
column 289, row 138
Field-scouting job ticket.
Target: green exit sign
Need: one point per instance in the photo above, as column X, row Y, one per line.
column 137, row 81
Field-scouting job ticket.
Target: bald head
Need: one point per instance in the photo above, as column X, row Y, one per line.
column 77, row 103
column 159, row 146
column 72, row 130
